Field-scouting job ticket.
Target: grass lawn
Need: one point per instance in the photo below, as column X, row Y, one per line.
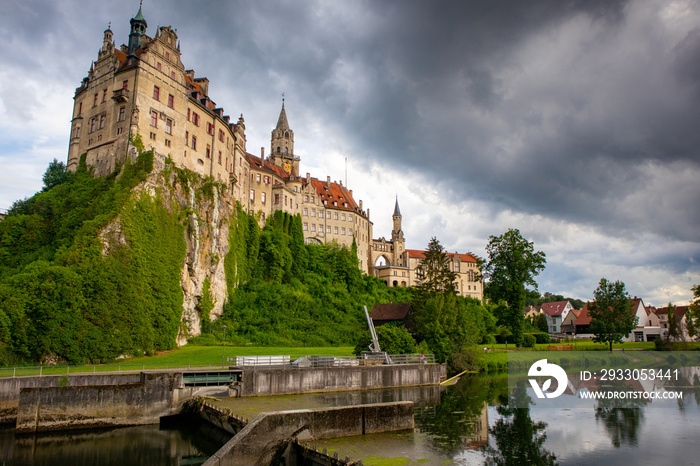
column 188, row 355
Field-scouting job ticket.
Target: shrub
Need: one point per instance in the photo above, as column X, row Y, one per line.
column 528, row 341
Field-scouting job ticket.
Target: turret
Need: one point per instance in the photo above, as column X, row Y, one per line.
column 282, row 145
column 138, row 30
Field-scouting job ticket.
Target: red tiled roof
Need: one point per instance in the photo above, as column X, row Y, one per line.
column 334, row 195
column 263, row 165
column 420, row 254
column 390, row 311
column 678, row 311
column 554, row 309
column 583, row 317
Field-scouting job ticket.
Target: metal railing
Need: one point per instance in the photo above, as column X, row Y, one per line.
column 240, row 361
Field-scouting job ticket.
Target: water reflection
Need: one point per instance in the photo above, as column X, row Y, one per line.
column 141, row 445
column 517, row 438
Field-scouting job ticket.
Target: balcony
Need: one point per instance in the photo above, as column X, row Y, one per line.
column 121, row 95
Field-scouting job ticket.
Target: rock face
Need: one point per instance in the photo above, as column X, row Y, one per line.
column 205, row 208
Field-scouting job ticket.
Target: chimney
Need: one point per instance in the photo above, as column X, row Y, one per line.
column 262, row 153
column 360, row 204
column 328, row 181
column 351, row 193
column 308, row 176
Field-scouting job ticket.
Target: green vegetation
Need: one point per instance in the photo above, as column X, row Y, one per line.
column 512, row 266
column 285, row 292
column 67, row 296
column 611, row 312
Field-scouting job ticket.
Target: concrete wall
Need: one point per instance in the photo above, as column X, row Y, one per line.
column 10, row 387
column 69, row 407
column 270, row 433
column 274, row 381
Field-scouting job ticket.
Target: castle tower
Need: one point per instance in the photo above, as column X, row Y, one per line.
column 396, row 233
column 138, row 30
column 107, row 41
column 282, row 145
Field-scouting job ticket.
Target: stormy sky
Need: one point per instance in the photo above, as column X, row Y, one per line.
column 577, row 122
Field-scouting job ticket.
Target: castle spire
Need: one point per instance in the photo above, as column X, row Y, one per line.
column 138, row 30
column 397, row 211
column 282, row 122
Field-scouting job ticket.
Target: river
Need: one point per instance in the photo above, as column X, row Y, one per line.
column 469, row 423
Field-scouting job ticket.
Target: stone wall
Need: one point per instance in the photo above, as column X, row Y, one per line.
column 271, row 381
column 270, row 433
column 10, row 387
column 70, row 407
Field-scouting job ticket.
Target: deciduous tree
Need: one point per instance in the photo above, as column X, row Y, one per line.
column 512, row 266
column 692, row 316
column 611, row 312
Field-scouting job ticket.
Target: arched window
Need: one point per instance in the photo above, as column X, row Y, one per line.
column 286, row 151
column 278, row 149
column 286, row 134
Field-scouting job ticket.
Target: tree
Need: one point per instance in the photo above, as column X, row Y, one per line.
column 540, row 323
column 611, row 312
column 692, row 315
column 434, row 270
column 512, row 265
column 55, row 174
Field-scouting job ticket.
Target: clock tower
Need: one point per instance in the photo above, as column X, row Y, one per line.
column 282, row 145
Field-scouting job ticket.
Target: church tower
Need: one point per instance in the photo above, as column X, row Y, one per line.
column 282, row 145
column 138, row 30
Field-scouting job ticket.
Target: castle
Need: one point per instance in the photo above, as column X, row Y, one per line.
column 143, row 88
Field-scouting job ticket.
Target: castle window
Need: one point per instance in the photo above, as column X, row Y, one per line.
column 342, row 231
column 313, row 227
column 208, row 151
column 335, row 215
column 306, row 226
column 252, row 195
column 313, row 212
column 102, row 121
column 167, row 55
column 263, row 197
column 278, row 147
column 342, row 217
column 328, row 215
column 194, row 142
column 152, row 135
column 167, row 142
column 172, row 75
column 277, row 199
column 125, row 84
column 188, row 114
column 93, row 124
column 313, row 199
column 187, row 137
column 306, row 211
column 221, row 136
column 335, row 230
column 120, row 130
column 306, row 198
column 219, row 157
column 122, row 113
column 156, row 92
column 286, row 134
column 158, row 66
column 328, row 229
column 171, row 100
column 104, row 95
column 154, row 119
column 94, row 101
column 210, row 128
column 80, row 108
column 286, row 151
column 168, row 126
column 257, row 177
column 195, row 118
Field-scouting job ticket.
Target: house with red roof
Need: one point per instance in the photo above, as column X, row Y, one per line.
column 680, row 314
column 644, row 330
column 556, row 312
